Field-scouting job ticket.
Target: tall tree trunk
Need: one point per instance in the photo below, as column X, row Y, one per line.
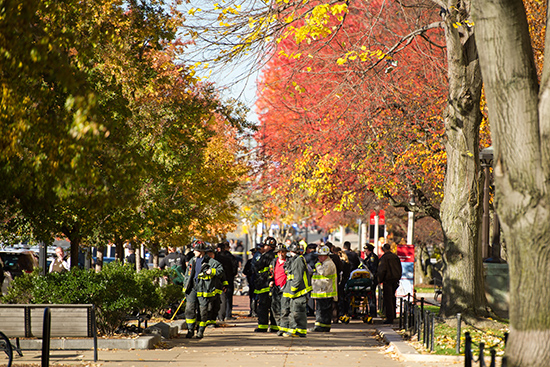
column 119, row 249
column 520, row 126
column 463, row 286
column 73, row 234
column 100, row 254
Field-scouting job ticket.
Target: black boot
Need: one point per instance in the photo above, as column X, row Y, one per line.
column 200, row 333
column 190, row 332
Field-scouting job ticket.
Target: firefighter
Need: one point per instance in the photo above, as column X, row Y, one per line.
column 277, row 284
column 296, row 288
column 324, row 289
column 262, row 278
column 201, row 278
column 220, row 286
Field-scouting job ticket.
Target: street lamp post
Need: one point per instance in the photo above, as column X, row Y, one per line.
column 486, row 159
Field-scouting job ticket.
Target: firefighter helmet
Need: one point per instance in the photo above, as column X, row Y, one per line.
column 200, row 246
column 294, row 247
column 323, row 250
column 270, row 241
column 281, row 247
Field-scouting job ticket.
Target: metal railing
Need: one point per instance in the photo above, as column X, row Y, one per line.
column 415, row 320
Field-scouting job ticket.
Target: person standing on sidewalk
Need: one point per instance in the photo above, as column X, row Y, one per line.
column 389, row 274
column 324, row 290
column 277, row 284
column 262, row 276
column 371, row 263
column 200, row 287
column 230, row 268
column 296, row 288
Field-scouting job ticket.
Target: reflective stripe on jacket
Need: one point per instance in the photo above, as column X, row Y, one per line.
column 297, row 283
column 324, row 280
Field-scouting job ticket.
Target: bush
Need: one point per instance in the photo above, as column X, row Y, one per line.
column 117, row 291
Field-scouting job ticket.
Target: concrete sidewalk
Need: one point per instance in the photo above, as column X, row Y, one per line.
column 235, row 344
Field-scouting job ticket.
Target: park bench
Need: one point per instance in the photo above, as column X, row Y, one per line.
column 67, row 320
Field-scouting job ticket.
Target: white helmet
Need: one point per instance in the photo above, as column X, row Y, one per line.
column 323, row 250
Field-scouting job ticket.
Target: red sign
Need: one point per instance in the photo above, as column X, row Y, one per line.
column 405, row 253
column 381, row 217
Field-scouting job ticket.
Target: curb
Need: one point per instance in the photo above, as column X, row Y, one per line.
column 408, row 353
column 142, row 342
column 156, row 333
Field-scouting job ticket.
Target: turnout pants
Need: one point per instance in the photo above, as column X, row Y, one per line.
column 284, row 320
column 298, row 319
column 265, row 317
column 276, row 299
column 191, row 307
column 213, row 309
column 323, row 313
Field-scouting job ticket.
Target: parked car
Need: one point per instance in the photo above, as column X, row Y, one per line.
column 16, row 262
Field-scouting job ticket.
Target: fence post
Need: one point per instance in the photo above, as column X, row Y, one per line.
column 467, row 350
column 400, row 313
column 458, row 332
column 406, row 320
column 426, row 327
column 46, row 329
column 432, row 326
column 493, row 358
column 481, row 357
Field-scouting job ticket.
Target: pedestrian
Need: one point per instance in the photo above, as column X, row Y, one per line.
column 277, row 285
column 311, row 259
column 262, row 278
column 248, row 273
column 175, row 261
column 296, row 288
column 230, row 268
column 343, row 302
column 324, row 290
column 371, row 263
column 220, row 287
column 200, row 287
column 59, row 264
column 353, row 258
column 339, row 269
column 389, row 274
column 131, row 258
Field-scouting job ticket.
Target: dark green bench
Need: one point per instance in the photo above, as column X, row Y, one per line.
column 27, row 321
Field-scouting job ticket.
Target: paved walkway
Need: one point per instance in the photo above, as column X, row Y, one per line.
column 236, row 345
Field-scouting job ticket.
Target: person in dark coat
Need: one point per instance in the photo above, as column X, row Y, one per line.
column 353, row 258
column 230, row 268
column 262, row 278
column 339, row 269
column 249, row 274
column 389, row 274
column 371, row 263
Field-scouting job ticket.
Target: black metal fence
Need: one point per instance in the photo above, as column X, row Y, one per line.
column 415, row 320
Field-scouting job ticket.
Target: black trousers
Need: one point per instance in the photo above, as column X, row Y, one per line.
column 323, row 313
column 390, row 287
column 276, row 300
column 265, row 317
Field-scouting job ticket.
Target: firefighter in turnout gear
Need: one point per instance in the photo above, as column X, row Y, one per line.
column 262, row 278
column 324, row 289
column 294, row 292
column 220, row 286
column 277, row 285
column 203, row 273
